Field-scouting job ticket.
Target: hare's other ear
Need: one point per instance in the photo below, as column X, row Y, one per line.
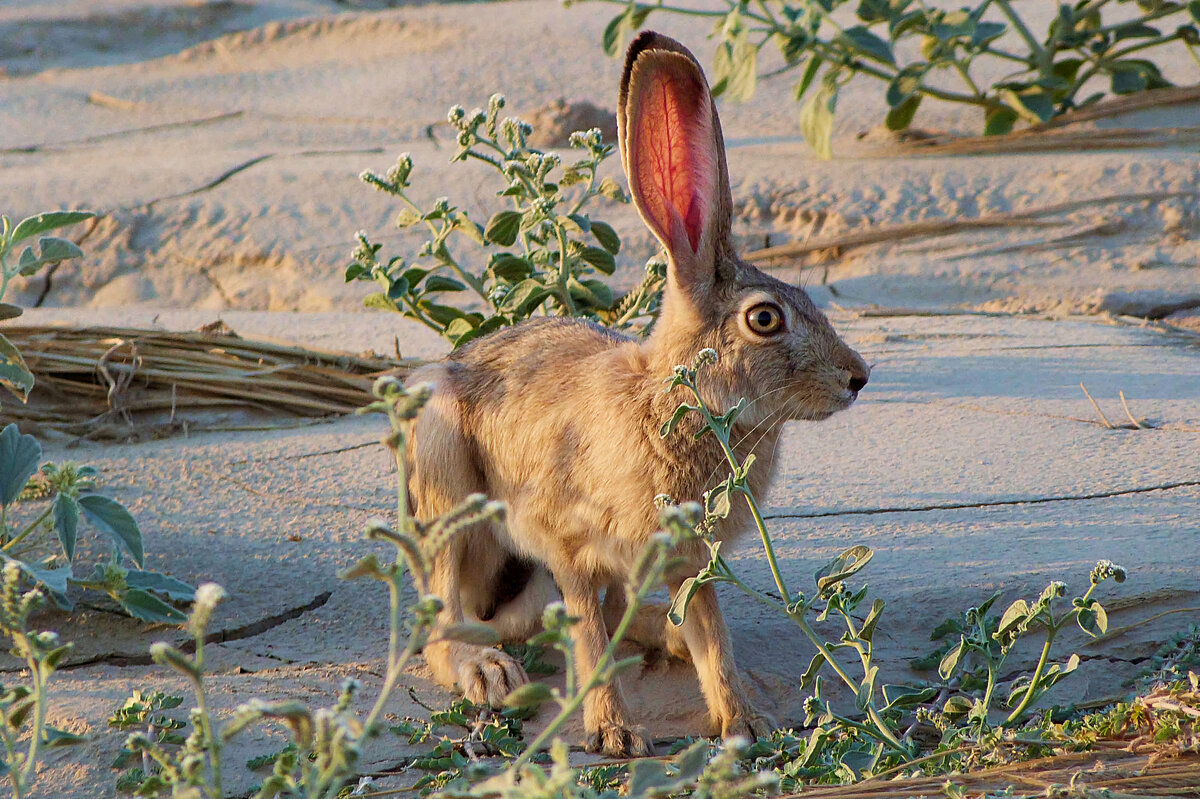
column 674, row 155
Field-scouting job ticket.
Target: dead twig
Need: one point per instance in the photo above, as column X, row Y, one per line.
column 1096, row 405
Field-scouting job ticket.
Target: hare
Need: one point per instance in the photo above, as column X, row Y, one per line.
column 559, row 418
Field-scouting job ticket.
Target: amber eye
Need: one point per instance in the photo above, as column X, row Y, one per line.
column 764, row 319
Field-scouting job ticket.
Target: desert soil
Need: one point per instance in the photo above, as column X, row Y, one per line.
column 221, row 143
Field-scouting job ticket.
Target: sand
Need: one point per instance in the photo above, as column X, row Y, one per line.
column 221, row 141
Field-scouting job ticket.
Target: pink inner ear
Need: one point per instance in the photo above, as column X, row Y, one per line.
column 673, row 153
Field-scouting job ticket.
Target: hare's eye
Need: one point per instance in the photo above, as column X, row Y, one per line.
column 764, row 319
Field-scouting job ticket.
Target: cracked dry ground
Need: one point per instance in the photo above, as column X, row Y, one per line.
column 973, row 463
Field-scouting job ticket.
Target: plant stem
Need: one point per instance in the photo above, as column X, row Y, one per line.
column 32, row 526
column 1035, row 47
column 1031, row 691
column 563, row 274
column 37, row 672
column 213, row 741
column 883, row 733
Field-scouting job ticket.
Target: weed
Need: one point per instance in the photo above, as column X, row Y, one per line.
column 69, row 493
column 883, row 737
column 23, row 727
column 553, row 256
column 1044, row 74
column 14, row 372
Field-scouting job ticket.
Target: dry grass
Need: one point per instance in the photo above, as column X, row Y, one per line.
column 111, row 382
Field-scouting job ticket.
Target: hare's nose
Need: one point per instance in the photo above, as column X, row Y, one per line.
column 856, row 382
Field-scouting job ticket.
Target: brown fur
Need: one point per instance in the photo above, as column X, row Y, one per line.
column 559, row 418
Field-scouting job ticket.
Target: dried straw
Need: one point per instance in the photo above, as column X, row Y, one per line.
column 1109, row 768
column 111, row 382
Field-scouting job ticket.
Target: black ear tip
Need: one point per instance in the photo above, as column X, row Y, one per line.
column 653, row 40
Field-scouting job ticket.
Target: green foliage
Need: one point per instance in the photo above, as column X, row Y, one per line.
column 14, row 372
column 542, row 254
column 68, row 494
column 1045, row 74
column 23, row 727
column 879, row 735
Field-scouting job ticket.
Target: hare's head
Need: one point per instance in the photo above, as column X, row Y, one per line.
column 776, row 347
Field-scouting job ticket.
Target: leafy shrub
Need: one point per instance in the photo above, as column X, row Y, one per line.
column 14, row 372
column 1046, row 73
column 551, row 256
column 68, row 492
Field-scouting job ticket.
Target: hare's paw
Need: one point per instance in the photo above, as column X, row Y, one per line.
column 487, row 675
column 616, row 740
column 748, row 723
column 483, row 675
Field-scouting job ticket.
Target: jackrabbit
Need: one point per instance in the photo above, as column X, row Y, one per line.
column 559, row 418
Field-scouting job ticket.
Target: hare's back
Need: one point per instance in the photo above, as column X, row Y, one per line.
column 520, row 363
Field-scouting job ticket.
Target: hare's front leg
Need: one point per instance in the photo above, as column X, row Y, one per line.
column 484, row 675
column 605, row 716
column 708, row 640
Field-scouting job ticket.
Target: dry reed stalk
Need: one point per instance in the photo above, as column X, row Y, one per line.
column 929, row 228
column 1108, row 769
column 107, row 381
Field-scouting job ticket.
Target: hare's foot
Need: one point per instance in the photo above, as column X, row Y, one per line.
column 609, row 731
column 616, row 740
column 748, row 723
column 484, row 675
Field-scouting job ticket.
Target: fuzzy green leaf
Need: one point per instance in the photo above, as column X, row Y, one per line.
column 14, row 372
column 868, row 44
column 36, row 225
column 816, row 119
column 19, row 458
column 901, row 116
column 951, row 660
column 1013, row 617
column 442, row 283
column 165, row 584
column 607, row 237
column 525, row 295
column 999, row 121
column 144, row 606
column 1093, row 620
column 111, row 517
column 506, row 266
column 735, row 67
column 503, row 228
column 679, row 603
column 843, row 566
column 810, row 674
column 66, row 523
column 599, row 258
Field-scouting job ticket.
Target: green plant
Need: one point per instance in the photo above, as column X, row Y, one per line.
column 839, row 746
column 68, row 493
column 143, row 711
column 23, row 725
column 14, row 372
column 550, row 255
column 832, row 598
column 482, row 733
column 1046, row 74
column 990, row 640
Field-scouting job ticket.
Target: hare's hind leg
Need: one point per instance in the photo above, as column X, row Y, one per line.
column 442, row 473
column 650, row 628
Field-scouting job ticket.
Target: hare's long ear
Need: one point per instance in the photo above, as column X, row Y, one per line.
column 674, row 155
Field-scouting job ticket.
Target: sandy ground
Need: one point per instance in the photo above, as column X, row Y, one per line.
column 972, row 463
